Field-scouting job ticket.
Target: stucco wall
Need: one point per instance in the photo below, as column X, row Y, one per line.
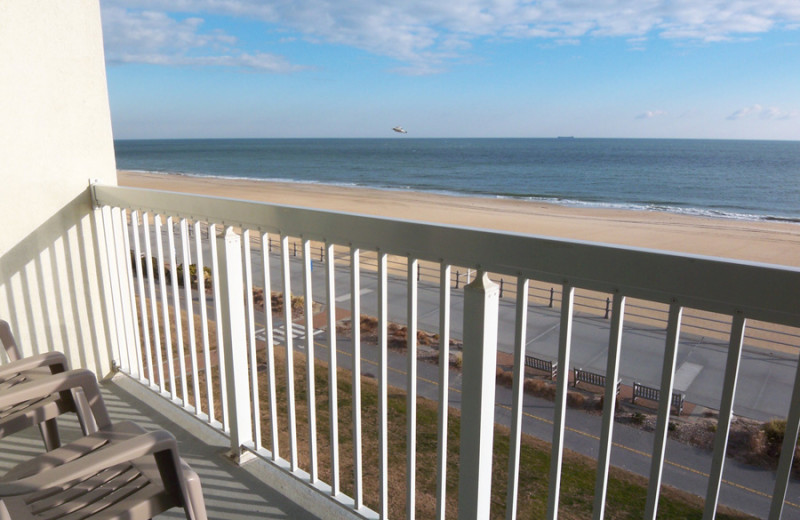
column 55, row 134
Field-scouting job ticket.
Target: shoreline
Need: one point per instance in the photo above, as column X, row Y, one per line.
column 566, row 203
column 762, row 241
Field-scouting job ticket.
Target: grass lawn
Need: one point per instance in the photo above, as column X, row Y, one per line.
column 626, row 492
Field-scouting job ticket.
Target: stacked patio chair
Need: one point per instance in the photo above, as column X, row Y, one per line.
column 42, row 412
column 115, row 471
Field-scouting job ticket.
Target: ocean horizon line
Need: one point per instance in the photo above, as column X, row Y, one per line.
column 414, row 137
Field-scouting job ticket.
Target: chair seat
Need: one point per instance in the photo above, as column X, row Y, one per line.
column 31, row 412
column 128, row 490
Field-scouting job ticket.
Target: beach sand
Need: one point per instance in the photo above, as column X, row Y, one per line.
column 767, row 242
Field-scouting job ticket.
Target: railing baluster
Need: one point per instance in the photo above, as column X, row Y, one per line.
column 136, row 347
column 411, row 393
column 562, row 382
column 308, row 314
column 201, row 291
column 108, row 240
column 232, row 325
column 287, row 313
column 159, row 368
column 270, row 341
column 221, row 361
column 355, row 317
column 518, row 387
column 118, row 272
column 162, row 283
column 444, row 383
column 784, row 470
column 333, row 386
column 725, row 414
column 176, row 304
column 187, row 296
column 481, row 301
column 664, row 405
column 383, row 405
column 142, row 301
column 609, row 406
column 251, row 337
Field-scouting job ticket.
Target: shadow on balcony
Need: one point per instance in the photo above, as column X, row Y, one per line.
column 231, row 492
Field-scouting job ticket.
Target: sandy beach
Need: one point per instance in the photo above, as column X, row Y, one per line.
column 767, row 242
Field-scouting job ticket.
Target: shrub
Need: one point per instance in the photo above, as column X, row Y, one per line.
column 575, row 399
column 504, row 378
column 193, row 278
column 298, row 303
column 540, row 388
column 774, row 431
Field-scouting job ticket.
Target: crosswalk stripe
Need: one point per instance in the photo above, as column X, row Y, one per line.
column 279, row 333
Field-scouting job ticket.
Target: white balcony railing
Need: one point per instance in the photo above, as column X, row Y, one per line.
column 228, row 235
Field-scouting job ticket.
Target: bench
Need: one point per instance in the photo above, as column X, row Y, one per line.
column 654, row 394
column 551, row 367
column 592, row 378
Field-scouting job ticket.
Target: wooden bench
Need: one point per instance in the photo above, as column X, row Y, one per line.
column 654, row 394
column 592, row 378
column 551, row 367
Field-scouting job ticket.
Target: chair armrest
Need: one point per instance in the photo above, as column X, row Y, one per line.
column 60, row 383
column 55, row 360
column 8, row 342
column 117, row 452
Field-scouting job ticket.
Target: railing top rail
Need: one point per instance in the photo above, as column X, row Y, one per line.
column 760, row 291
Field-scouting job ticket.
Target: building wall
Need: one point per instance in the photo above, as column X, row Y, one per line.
column 55, row 135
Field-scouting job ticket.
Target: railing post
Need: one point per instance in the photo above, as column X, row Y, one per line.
column 551, row 298
column 608, row 307
column 234, row 343
column 481, row 299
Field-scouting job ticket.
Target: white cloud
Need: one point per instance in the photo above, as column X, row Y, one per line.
column 422, row 33
column 759, row 112
column 650, row 114
column 154, row 37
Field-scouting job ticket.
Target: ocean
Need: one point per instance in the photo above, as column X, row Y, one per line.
column 749, row 180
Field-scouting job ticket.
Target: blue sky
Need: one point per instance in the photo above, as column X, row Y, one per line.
column 466, row 68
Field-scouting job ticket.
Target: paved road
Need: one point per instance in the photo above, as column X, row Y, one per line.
column 765, row 378
column 745, row 488
column 765, row 381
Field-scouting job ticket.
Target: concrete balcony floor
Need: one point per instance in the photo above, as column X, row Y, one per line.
column 231, row 492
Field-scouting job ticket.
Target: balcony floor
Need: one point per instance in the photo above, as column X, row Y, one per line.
column 231, row 492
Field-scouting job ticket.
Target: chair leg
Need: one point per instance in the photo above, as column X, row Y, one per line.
column 195, row 503
column 49, row 431
column 84, row 411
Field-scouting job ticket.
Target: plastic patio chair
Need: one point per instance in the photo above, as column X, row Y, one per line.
column 117, row 472
column 41, row 412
